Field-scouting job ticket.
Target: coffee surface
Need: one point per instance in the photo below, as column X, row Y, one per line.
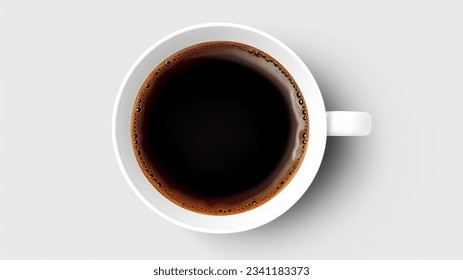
column 219, row 128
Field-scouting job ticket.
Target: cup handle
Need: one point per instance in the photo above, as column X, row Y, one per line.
column 348, row 123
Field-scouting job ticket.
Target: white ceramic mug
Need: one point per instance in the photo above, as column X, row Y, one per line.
column 322, row 124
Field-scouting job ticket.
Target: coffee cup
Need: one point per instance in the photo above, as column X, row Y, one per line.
column 221, row 128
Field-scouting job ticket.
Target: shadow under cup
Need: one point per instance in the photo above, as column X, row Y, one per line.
column 210, row 219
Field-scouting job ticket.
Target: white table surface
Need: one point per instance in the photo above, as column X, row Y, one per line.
column 396, row 194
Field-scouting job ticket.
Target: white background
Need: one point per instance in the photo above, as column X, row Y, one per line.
column 396, row 194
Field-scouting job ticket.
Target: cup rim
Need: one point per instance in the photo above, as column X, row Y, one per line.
column 194, row 220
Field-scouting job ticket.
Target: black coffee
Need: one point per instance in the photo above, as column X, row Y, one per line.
column 219, row 128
